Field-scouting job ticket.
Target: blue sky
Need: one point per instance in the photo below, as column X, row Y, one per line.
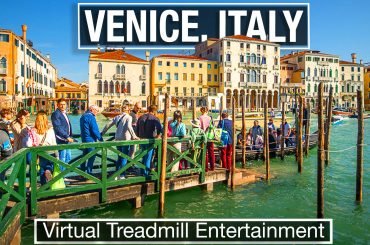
column 337, row 26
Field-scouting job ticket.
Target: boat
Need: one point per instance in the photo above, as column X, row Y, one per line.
column 335, row 120
column 342, row 112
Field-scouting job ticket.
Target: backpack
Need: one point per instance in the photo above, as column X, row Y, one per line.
column 224, row 135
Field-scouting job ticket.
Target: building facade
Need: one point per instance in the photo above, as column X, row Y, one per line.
column 117, row 77
column 27, row 77
column 185, row 78
column 351, row 80
column 317, row 67
column 76, row 95
column 292, row 84
column 367, row 88
column 248, row 67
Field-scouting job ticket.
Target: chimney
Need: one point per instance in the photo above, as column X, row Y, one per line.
column 48, row 56
column 354, row 56
column 98, row 47
column 361, row 62
column 147, row 55
column 24, row 32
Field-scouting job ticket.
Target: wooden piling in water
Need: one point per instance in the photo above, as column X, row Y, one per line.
column 282, row 132
column 221, row 105
column 162, row 183
column 320, row 155
column 300, row 136
column 307, row 129
column 360, row 147
column 244, row 157
column 266, row 141
column 194, row 112
column 234, row 146
column 328, row 125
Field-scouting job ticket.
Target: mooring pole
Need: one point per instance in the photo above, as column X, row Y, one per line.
column 162, row 187
column 307, row 129
column 328, row 125
column 221, row 106
column 233, row 150
column 282, row 132
column 194, row 112
column 266, row 141
column 300, row 135
column 360, row 147
column 244, row 141
column 320, row 155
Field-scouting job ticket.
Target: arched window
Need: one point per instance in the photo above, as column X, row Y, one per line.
column 2, row 85
column 100, row 68
column 315, row 72
column 315, row 89
column 258, row 59
column 123, row 87
column 336, row 73
column 144, row 70
column 118, row 69
column 336, row 88
column 248, row 58
column 3, row 63
column 123, row 69
column 117, row 87
column 105, row 87
column 309, row 88
column 128, row 88
column 308, row 72
column 263, row 60
column 347, row 87
column 143, row 88
column 100, row 87
column 253, row 58
column 248, row 76
column 253, row 76
column 258, row 78
column 111, row 87
column 331, row 73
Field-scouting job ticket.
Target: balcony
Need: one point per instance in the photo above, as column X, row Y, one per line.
column 256, row 85
column 263, row 66
column 119, row 76
column 228, row 84
column 308, row 78
column 227, row 63
column 348, row 93
column 98, row 75
column 3, row 71
column 276, row 85
column 276, row 67
column 142, row 77
column 242, row 64
column 242, row 84
column 200, row 82
column 322, row 63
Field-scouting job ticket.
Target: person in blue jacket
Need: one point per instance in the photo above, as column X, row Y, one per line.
column 89, row 133
column 226, row 150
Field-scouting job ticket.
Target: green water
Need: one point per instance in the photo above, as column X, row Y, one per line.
column 289, row 195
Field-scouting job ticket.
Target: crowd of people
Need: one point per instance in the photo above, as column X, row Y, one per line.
column 17, row 134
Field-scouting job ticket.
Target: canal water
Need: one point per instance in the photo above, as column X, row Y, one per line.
column 288, row 195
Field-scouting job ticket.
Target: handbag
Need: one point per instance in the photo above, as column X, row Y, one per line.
column 213, row 133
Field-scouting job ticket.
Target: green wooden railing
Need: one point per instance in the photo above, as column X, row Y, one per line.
column 13, row 188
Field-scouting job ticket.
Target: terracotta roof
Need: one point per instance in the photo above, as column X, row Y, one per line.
column 213, row 39
column 66, row 89
column 246, row 38
column 312, row 52
column 343, row 62
column 190, row 57
column 115, row 55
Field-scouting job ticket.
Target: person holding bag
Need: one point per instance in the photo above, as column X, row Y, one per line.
column 206, row 124
column 226, row 149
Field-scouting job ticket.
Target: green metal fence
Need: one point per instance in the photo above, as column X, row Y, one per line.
column 13, row 188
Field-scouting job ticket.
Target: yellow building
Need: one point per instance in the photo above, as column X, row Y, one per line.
column 184, row 78
column 367, row 88
column 27, row 77
column 292, row 83
column 76, row 94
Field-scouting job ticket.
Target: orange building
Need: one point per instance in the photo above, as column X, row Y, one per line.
column 292, row 83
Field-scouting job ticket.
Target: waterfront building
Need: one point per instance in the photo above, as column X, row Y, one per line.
column 367, row 88
column 27, row 77
column 351, row 80
column 248, row 67
column 117, row 77
column 316, row 67
column 76, row 94
column 185, row 78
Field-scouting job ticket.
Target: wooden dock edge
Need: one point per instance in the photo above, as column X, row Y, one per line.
column 12, row 235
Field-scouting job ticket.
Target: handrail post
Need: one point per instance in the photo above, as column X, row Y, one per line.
column 22, row 186
column 282, row 132
column 360, row 147
column 266, row 142
column 243, row 132
column 203, row 173
column 104, row 174
column 33, row 179
column 320, row 155
column 233, row 145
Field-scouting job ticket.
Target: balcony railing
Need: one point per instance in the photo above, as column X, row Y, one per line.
column 275, row 85
column 3, row 71
column 98, row 75
column 142, row 77
column 227, row 63
column 348, row 93
column 119, row 76
column 228, row 84
column 276, row 67
column 256, row 85
column 322, row 63
column 242, row 64
column 242, row 84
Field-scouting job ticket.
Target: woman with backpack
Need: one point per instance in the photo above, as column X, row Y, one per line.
column 17, row 126
column 226, row 150
column 206, row 123
column 177, row 129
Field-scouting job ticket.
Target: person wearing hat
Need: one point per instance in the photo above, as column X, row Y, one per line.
column 226, row 150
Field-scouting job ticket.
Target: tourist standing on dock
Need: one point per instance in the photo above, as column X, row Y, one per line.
column 271, row 124
column 285, row 130
column 205, row 122
column 45, row 136
column 148, row 127
column 226, row 150
column 89, row 133
column 272, row 143
column 6, row 117
column 17, row 125
column 272, row 113
column 62, row 129
column 5, row 151
column 124, row 131
column 135, row 116
column 178, row 130
column 256, row 130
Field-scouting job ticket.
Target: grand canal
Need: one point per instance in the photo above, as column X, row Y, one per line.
column 289, row 195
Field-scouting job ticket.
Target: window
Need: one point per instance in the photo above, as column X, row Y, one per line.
column 209, row 66
column 123, row 69
column 336, row 73
column 343, row 77
column 118, row 69
column 264, row 47
column 168, row 76
column 192, row 65
column 176, row 76
column 330, row 73
column 4, row 38
column 143, row 69
column 275, row 49
column 200, row 78
column 168, row 63
column 352, row 69
column 159, row 63
column 352, row 77
column 215, row 66
column 215, row 78
column 315, row 88
column 176, row 64
column 128, row 87
column 184, row 77
column 176, row 90
column 241, row 77
column 342, row 68
column 100, row 68
column 184, row 64
column 241, row 58
column 105, row 87
column 184, row 91
column 200, row 65
column 347, row 87
column 192, row 77
column 263, row 60
column 353, row 89
column 248, row 46
column 22, row 69
column 228, row 57
column 2, row 85
column 309, row 88
column 241, row 45
column 228, row 44
column 258, row 59
column 123, row 87
column 143, row 88
column 258, row 47
column 300, row 59
column 228, row 77
column 308, row 72
column 358, row 78
column 253, row 76
column 264, row 78
column 99, row 103
column 168, row 89
column 253, row 58
column 336, row 88
column 358, row 69
column 209, row 78
column 276, row 61
column 159, row 75
column 315, row 72
column 200, row 91
column 16, row 42
column 276, row 79
column 117, row 87
column 3, row 65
